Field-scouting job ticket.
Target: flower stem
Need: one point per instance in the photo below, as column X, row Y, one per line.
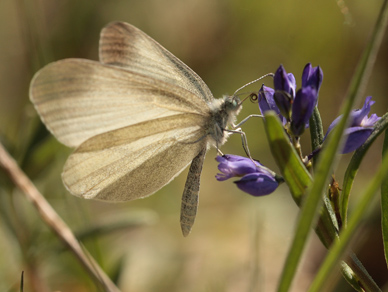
column 52, row 219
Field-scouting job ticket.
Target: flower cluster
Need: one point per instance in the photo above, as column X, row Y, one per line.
column 294, row 109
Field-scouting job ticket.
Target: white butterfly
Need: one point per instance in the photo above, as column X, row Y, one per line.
column 137, row 118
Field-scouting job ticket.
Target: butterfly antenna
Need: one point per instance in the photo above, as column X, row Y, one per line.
column 252, row 96
column 254, row 81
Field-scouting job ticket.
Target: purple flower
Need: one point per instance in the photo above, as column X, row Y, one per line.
column 296, row 109
column 361, row 126
column 284, row 81
column 312, row 76
column 256, row 180
column 267, row 102
column 285, row 85
column 305, row 100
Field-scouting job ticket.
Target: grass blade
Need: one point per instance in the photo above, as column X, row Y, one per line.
column 326, row 160
column 340, row 246
column 354, row 165
column 384, row 204
column 291, row 167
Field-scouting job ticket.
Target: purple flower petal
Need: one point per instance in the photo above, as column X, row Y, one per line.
column 285, row 86
column 233, row 165
column 370, row 122
column 359, row 117
column 222, row 176
column 302, row 109
column 292, row 84
column 256, row 179
column 284, row 82
column 360, row 114
column 306, row 74
column 267, row 102
column 284, row 103
column 355, row 137
column 361, row 126
column 257, row 184
column 312, row 76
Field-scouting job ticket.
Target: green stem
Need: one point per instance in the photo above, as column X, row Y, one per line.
column 316, row 129
column 339, row 246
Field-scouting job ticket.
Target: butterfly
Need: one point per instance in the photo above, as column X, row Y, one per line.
column 137, row 118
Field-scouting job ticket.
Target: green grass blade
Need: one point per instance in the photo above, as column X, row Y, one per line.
column 22, row 282
column 307, row 216
column 354, row 165
column 298, row 179
column 296, row 175
column 340, row 246
column 384, row 204
column 327, row 156
column 291, row 167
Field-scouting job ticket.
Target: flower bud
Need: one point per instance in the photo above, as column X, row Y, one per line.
column 312, row 76
column 302, row 109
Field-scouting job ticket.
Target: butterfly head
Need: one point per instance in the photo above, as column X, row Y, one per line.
column 223, row 113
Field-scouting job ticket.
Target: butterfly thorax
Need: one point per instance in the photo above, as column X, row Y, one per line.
column 223, row 112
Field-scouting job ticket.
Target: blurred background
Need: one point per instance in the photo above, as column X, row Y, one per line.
column 238, row 242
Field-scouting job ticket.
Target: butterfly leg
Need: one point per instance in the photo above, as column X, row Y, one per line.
column 220, row 152
column 237, row 130
column 246, row 119
column 243, row 139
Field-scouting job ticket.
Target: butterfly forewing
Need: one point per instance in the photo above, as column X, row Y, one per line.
column 124, row 45
column 78, row 99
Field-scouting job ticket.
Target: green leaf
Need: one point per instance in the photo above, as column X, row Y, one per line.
column 354, row 165
column 384, row 203
column 291, row 167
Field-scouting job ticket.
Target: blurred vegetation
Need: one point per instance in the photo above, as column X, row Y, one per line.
column 238, row 242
